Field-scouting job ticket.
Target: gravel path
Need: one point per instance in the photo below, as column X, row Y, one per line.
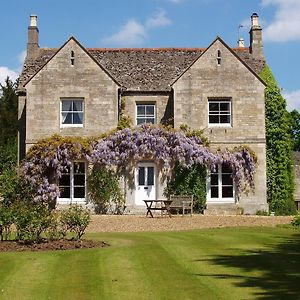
column 130, row 223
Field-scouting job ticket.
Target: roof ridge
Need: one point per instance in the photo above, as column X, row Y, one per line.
column 145, row 49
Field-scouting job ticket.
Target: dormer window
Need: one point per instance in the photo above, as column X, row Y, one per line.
column 219, row 58
column 72, row 58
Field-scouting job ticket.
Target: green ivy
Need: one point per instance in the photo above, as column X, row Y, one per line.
column 104, row 190
column 189, row 182
column 280, row 181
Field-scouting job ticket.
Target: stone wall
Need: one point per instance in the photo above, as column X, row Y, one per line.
column 231, row 79
column 60, row 79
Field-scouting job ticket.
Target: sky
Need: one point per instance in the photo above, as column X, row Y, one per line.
column 154, row 24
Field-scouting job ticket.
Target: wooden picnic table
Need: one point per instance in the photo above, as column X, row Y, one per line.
column 164, row 206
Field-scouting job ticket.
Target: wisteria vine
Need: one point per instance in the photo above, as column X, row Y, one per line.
column 47, row 159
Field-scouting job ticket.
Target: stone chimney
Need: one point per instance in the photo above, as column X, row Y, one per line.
column 241, row 43
column 33, row 38
column 256, row 44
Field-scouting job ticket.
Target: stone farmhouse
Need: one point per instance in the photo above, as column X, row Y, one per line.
column 77, row 91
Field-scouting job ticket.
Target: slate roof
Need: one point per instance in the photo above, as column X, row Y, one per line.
column 139, row 69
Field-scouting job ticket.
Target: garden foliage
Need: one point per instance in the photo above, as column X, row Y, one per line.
column 190, row 181
column 35, row 222
column 48, row 158
column 280, row 185
column 105, row 192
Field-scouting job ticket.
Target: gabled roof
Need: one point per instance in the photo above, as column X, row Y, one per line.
column 234, row 53
column 46, row 61
column 139, row 69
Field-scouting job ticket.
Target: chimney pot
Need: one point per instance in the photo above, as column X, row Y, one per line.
column 241, row 43
column 33, row 21
column 254, row 20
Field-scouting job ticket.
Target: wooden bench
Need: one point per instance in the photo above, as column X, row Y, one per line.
column 183, row 202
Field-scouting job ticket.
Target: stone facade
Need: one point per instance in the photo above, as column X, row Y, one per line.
column 178, row 82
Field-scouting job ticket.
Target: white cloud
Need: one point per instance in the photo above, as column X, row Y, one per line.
column 21, row 57
column 134, row 33
column 286, row 25
column 293, row 100
column 4, row 72
column 159, row 19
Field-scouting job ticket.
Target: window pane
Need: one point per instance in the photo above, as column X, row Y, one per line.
column 224, row 107
column 77, row 118
column 214, row 179
column 79, row 167
column 149, row 120
column 64, row 192
column 214, row 192
column 141, row 175
column 77, row 105
column 225, row 119
column 150, row 110
column 214, row 119
column 79, row 180
column 227, row 179
column 213, row 106
column 64, row 180
column 67, row 118
column 150, row 179
column 79, row 192
column 66, row 105
column 140, row 121
column 227, row 192
column 140, row 110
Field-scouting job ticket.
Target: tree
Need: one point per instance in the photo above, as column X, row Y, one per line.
column 295, row 128
column 8, row 111
column 280, row 181
column 8, row 128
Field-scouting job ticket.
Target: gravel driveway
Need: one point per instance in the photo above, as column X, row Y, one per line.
column 130, row 223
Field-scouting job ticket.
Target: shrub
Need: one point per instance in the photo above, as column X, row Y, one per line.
column 262, row 213
column 31, row 221
column 6, row 220
column 296, row 222
column 104, row 191
column 75, row 219
column 189, row 182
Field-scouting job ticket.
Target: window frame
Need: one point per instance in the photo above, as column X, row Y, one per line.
column 82, row 111
column 219, row 101
column 220, row 198
column 72, row 199
column 145, row 116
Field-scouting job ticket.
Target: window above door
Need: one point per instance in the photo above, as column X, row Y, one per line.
column 145, row 113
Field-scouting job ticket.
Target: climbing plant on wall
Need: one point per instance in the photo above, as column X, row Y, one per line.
column 279, row 148
column 46, row 160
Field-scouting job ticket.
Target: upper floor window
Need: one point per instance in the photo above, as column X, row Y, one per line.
column 72, row 112
column 145, row 113
column 219, row 112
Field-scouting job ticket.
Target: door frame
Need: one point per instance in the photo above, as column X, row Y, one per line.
column 137, row 199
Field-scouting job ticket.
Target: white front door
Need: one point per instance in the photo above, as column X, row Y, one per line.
column 145, row 182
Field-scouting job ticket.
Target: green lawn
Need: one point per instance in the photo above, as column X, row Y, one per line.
column 233, row 263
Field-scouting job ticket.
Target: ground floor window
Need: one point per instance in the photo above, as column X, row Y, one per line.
column 72, row 184
column 220, row 185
